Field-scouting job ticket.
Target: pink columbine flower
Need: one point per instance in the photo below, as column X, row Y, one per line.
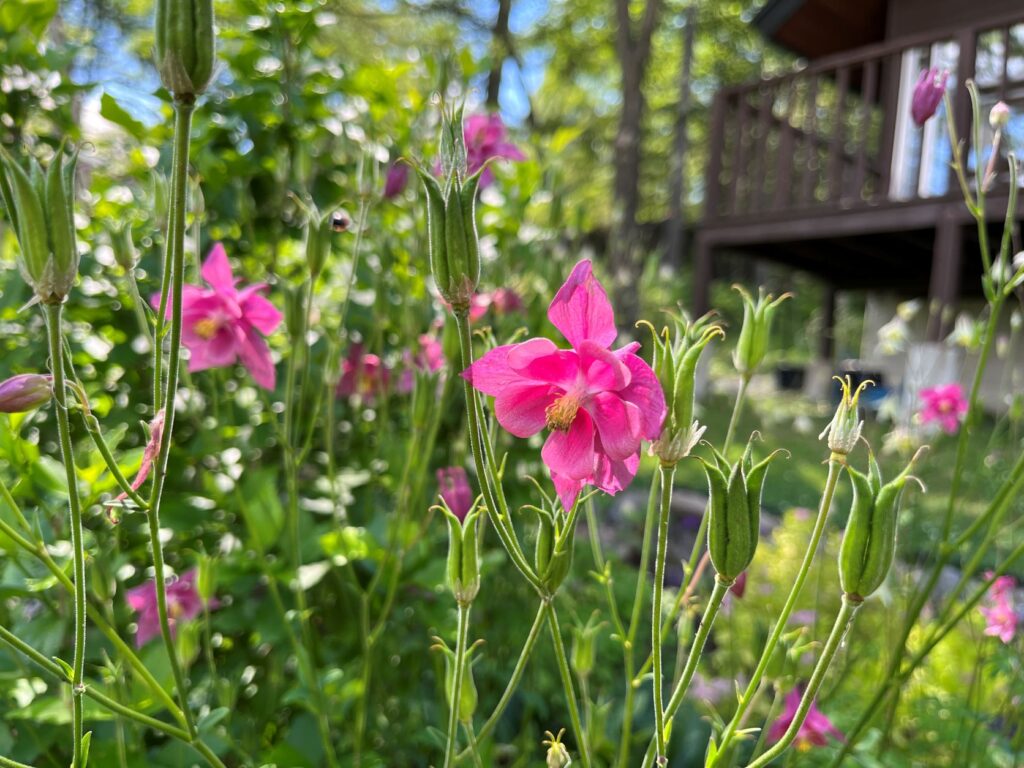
column 429, row 358
column 222, row 324
column 945, row 404
column 928, row 93
column 453, row 486
column 815, row 730
column 183, row 603
column 396, row 180
column 156, row 432
column 363, row 374
column 598, row 403
column 1000, row 615
column 25, row 391
column 487, row 138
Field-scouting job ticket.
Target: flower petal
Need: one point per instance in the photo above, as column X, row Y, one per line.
column 603, row 370
column 619, row 424
column 644, row 391
column 492, row 373
column 567, row 489
column 613, row 476
column 217, row 271
column 258, row 311
column 216, row 352
column 571, row 453
column 521, row 409
column 580, row 309
column 255, row 356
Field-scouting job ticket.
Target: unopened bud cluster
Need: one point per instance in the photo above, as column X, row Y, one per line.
column 752, row 344
column 184, row 46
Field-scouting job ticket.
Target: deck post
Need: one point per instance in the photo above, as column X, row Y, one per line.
column 702, row 274
column 826, row 342
column 944, row 285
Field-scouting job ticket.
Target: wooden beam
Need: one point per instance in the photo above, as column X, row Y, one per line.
column 944, row 284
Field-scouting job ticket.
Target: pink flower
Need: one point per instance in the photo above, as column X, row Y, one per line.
column 25, row 391
column 222, row 324
column 1001, row 616
column 453, row 486
column 815, row 730
column 429, row 358
column 928, row 93
column 363, row 374
column 156, row 431
column 944, row 404
column 598, row 403
column 183, row 603
column 739, row 587
column 395, row 181
column 486, row 138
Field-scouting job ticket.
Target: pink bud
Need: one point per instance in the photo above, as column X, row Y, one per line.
column 397, row 178
column 24, row 392
column 453, row 487
column 931, row 86
column 999, row 116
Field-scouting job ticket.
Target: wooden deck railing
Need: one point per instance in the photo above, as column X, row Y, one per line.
column 824, row 138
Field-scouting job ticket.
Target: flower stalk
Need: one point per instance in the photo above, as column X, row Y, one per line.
column 667, row 475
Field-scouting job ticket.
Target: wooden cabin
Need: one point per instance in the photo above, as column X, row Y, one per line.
column 824, row 170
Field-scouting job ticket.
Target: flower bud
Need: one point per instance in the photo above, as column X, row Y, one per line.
column 557, row 755
column 869, row 542
column 844, row 430
column 123, row 246
column 451, row 218
column 584, row 652
column 463, row 568
column 675, row 364
column 40, row 205
column 928, row 93
column 752, row 343
column 25, row 392
column 999, row 115
column 734, row 525
column 184, row 46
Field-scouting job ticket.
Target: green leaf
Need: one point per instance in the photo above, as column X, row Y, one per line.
column 115, row 113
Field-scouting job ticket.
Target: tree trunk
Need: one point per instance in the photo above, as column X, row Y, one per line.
column 499, row 52
column 675, row 237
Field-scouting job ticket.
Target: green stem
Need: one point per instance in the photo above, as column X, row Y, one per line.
column 839, row 629
column 718, row 593
column 173, row 282
column 472, row 748
column 566, row 674
column 6, row 762
column 513, row 682
column 737, row 408
column 53, row 323
column 729, row 734
column 455, row 695
column 667, row 474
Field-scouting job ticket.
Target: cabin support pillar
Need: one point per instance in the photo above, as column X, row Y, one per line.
column 944, row 286
column 826, row 342
column 702, row 274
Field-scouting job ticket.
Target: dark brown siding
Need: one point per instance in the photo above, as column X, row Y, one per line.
column 912, row 17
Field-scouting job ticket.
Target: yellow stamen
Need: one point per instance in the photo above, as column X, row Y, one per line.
column 562, row 413
column 206, row 328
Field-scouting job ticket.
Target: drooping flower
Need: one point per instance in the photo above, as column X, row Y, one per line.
column 222, row 324
column 944, row 404
column 25, row 391
column 487, row 138
column 815, row 730
column 928, row 92
column 598, row 403
column 363, row 374
column 183, row 604
column 396, row 180
column 453, row 486
column 1000, row 614
column 149, row 454
column 429, row 358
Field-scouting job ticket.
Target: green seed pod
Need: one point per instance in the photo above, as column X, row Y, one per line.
column 463, row 565
column 467, row 694
column 752, row 344
column 584, row 645
column 844, row 430
column 735, row 511
column 545, row 543
column 319, row 229
column 869, row 542
column 41, row 207
column 184, row 46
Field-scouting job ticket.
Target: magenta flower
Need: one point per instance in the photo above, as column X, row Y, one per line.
column 429, row 358
column 25, row 391
column 222, row 324
column 928, row 92
column 156, row 431
column 183, row 603
column 815, row 730
column 944, row 404
column 453, row 486
column 487, row 138
column 363, row 374
column 739, row 587
column 1000, row 615
column 396, row 180
column 598, row 403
